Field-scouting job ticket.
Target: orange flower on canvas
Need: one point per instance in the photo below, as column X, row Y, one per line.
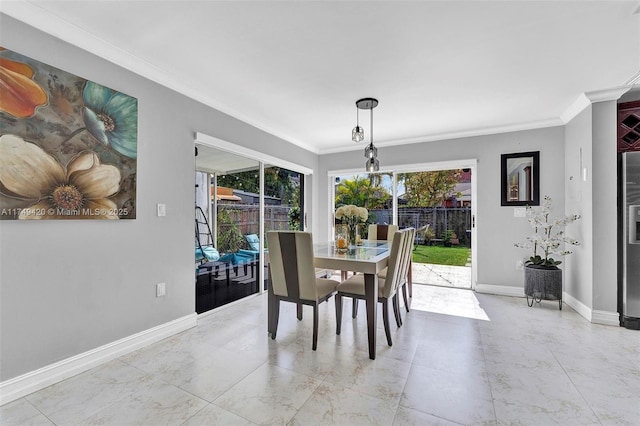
column 19, row 94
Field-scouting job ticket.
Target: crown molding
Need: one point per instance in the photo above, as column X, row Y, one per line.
column 634, row 79
column 612, row 94
column 532, row 125
column 575, row 108
column 586, row 99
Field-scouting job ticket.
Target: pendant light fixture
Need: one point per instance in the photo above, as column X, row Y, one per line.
column 357, row 134
column 370, row 152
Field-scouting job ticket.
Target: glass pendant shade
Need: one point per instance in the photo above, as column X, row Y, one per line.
column 357, row 134
column 371, row 151
column 372, row 165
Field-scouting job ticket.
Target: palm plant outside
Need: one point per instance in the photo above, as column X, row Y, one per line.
column 361, row 192
column 422, row 189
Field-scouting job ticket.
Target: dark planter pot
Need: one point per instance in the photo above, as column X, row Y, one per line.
column 542, row 283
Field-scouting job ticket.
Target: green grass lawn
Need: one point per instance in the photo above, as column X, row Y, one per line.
column 454, row 256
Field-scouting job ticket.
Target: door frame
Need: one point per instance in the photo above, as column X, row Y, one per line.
column 262, row 159
column 471, row 163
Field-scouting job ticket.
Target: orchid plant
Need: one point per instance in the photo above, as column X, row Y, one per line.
column 548, row 237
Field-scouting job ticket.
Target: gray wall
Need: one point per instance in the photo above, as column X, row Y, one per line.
column 591, row 272
column 578, row 270
column 497, row 228
column 70, row 286
column 605, row 231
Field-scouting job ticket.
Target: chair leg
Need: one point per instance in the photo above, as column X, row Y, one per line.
column 354, row 308
column 315, row 326
column 404, row 296
column 396, row 310
column 385, row 320
column 271, row 301
column 299, row 311
column 338, row 313
column 275, row 316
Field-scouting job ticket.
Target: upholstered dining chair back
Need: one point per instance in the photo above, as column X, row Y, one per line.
column 291, row 261
column 292, row 278
column 381, row 232
column 399, row 260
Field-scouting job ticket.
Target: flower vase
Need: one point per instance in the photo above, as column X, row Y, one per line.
column 342, row 241
column 353, row 234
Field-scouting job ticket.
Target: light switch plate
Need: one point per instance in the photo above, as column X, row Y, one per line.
column 161, row 290
column 519, row 212
column 162, row 209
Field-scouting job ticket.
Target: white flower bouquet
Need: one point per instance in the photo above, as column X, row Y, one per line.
column 351, row 216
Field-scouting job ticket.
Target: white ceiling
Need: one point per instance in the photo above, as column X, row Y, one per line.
column 295, row 69
column 214, row 160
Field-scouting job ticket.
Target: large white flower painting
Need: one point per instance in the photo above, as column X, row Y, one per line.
column 68, row 146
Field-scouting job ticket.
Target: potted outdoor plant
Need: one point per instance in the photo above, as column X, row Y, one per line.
column 448, row 235
column 542, row 277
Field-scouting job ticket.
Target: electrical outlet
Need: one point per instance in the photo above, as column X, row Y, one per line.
column 161, row 290
column 162, row 210
column 519, row 265
column 519, row 212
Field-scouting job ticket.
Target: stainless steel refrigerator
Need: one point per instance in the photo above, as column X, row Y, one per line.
column 630, row 207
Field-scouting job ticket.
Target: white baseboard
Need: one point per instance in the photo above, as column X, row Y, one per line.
column 15, row 388
column 592, row 315
column 605, row 318
column 577, row 305
column 500, row 290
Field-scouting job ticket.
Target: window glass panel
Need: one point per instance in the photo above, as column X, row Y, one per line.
column 283, row 196
column 373, row 191
column 234, row 220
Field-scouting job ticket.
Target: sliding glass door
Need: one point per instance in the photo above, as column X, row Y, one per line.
column 437, row 202
column 245, row 199
column 373, row 191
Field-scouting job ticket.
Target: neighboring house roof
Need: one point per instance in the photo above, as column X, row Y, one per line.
column 223, row 193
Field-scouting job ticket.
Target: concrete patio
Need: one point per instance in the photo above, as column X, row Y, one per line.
column 442, row 275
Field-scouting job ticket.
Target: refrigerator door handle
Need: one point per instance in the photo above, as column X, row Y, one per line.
column 634, row 224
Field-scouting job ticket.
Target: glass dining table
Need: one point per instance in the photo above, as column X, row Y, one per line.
column 369, row 258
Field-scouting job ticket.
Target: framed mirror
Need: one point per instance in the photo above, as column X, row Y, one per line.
column 520, row 179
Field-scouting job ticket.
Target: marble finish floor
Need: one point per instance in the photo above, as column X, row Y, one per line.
column 460, row 358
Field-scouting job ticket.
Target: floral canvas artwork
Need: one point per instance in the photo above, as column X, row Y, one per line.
column 68, row 146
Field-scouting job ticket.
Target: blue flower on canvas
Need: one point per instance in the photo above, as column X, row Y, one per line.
column 112, row 118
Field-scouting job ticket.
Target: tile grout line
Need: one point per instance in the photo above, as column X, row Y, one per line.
column 573, row 383
column 484, row 360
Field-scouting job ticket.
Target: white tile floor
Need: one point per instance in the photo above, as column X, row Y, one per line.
column 459, row 358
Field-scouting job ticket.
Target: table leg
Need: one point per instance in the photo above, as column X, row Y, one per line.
column 371, row 297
